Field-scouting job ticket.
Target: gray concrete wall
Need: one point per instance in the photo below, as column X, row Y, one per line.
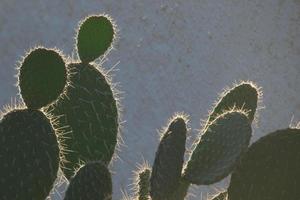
column 175, row 55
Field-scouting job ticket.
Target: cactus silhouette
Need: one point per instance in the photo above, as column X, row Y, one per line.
column 220, row 147
column 168, row 163
column 244, row 96
column 270, row 169
column 42, row 77
column 88, row 106
column 92, row 181
column 29, row 154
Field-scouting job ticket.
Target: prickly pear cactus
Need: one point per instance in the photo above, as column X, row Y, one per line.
column 270, row 169
column 168, row 163
column 219, row 148
column 42, row 77
column 244, row 96
column 92, row 181
column 29, row 154
column 89, row 107
column 95, row 36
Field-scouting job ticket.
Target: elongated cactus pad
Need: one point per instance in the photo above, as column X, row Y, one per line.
column 219, row 148
column 144, row 184
column 95, row 36
column 90, row 111
column 168, row 163
column 243, row 96
column 42, row 77
column 29, row 155
column 91, row 182
column 270, row 169
column 221, row 196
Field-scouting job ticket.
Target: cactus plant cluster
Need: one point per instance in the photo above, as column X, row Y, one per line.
column 70, row 116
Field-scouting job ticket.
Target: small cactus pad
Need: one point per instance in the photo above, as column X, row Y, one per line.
column 168, row 163
column 42, row 77
column 90, row 111
column 144, row 184
column 219, row 148
column 95, row 36
column 270, row 170
column 29, row 155
column 243, row 96
column 91, row 182
column 221, row 196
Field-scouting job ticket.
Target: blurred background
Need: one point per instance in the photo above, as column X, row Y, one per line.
column 172, row 56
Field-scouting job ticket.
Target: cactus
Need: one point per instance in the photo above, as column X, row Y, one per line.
column 42, row 77
column 270, row 169
column 95, row 36
column 92, row 181
column 29, row 154
column 243, row 96
column 168, row 163
column 88, row 107
column 220, row 146
column 143, row 189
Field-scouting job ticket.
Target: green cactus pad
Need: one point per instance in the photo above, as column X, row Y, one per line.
column 168, row 163
column 29, row 155
column 216, row 154
column 221, row 196
column 42, row 77
column 270, row 170
column 243, row 96
column 90, row 111
column 94, row 37
column 91, row 182
column 144, row 184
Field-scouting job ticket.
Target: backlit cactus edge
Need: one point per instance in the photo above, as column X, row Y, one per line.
column 71, row 116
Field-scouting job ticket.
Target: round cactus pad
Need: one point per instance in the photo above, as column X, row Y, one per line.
column 42, row 77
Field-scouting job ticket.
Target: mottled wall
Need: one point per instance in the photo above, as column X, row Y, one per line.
column 174, row 55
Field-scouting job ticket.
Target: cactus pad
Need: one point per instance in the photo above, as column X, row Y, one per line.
column 90, row 111
column 29, row 155
column 95, row 36
column 92, row 181
column 144, row 184
column 168, row 163
column 243, row 96
column 270, row 169
column 219, row 148
column 42, row 77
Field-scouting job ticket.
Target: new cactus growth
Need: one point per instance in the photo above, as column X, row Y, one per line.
column 270, row 169
column 219, row 148
column 95, row 36
column 42, row 77
column 29, row 154
column 92, row 181
column 89, row 107
column 168, row 163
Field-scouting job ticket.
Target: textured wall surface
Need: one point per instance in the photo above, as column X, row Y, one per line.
column 175, row 55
